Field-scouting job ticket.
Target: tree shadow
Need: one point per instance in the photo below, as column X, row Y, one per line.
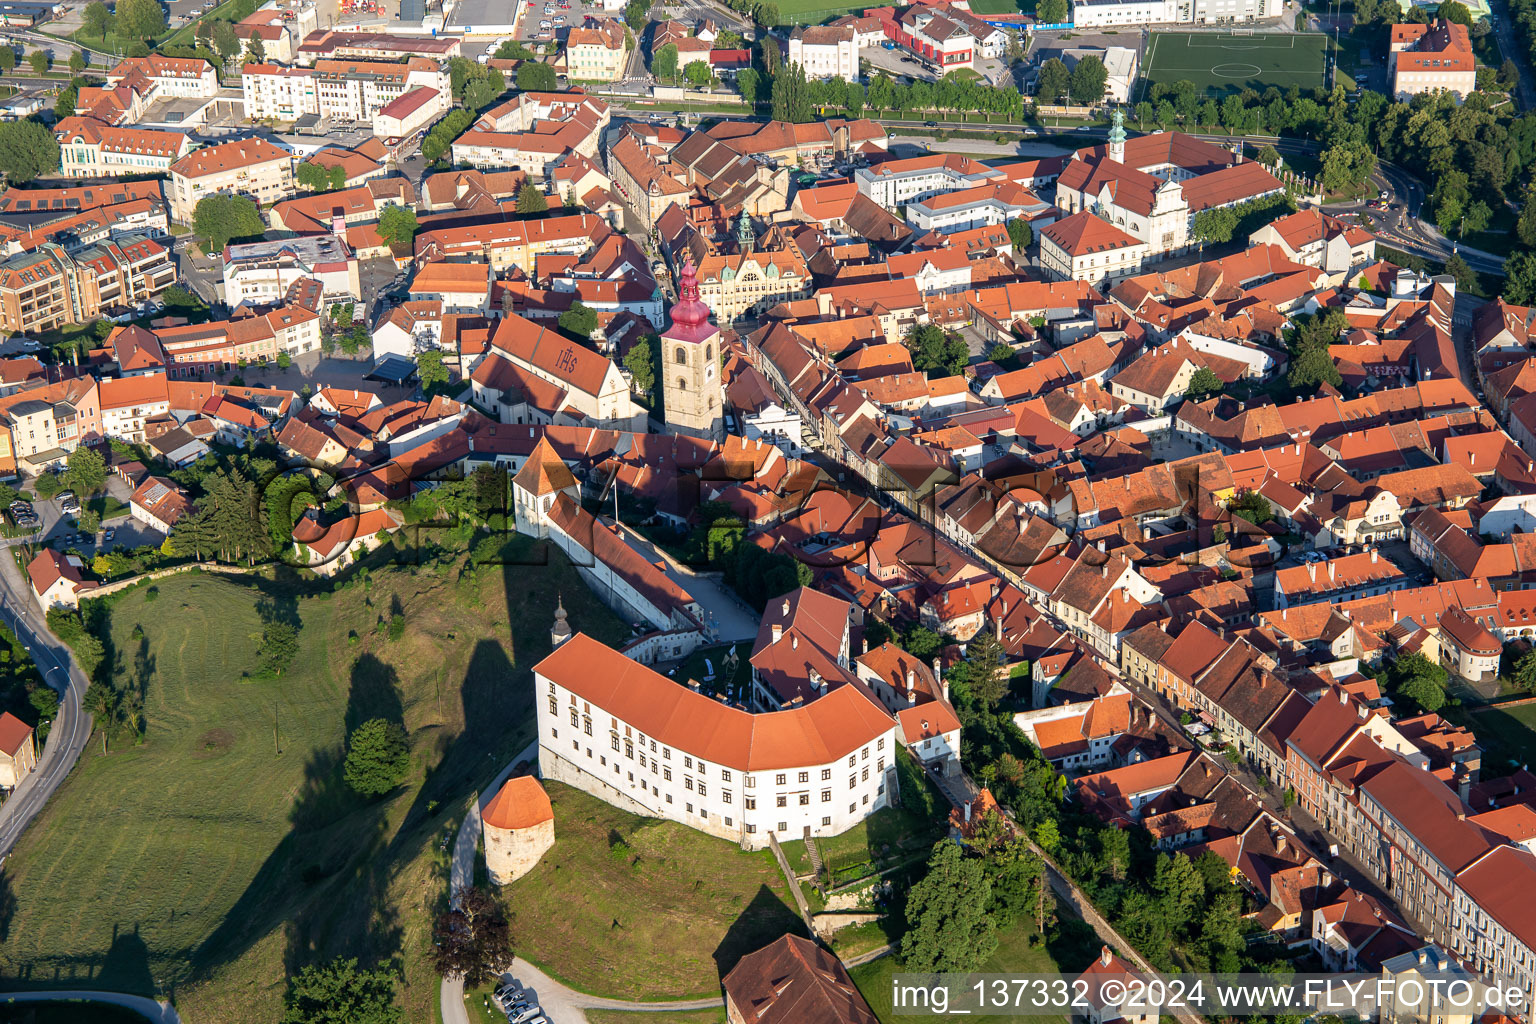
column 374, row 693
column 7, row 906
column 763, row 920
column 125, row 968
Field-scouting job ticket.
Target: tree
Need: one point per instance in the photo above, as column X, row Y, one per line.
column 255, row 49
column 430, row 369
column 1455, row 11
column 472, row 941
column 339, row 993
column 1216, row 225
column 1052, row 12
column 536, row 76
column 989, row 679
column 1420, row 680
column 1313, row 367
column 98, row 19
column 1524, row 674
column 64, row 103
column 483, row 88
column 1000, row 352
column 78, row 62
column 222, row 219
column 664, row 62
column 1020, row 234
column 1114, row 852
column 636, row 12
column 638, row 362
column 580, row 320
column 1519, row 281
column 278, row 646
column 1458, row 269
column 791, row 99
column 226, row 41
column 39, row 61
column 7, row 59
column 935, row 351
column 948, row 924
column 378, row 757
column 767, row 15
column 1179, row 887
column 85, row 472
column 1254, row 507
column 697, row 74
column 44, row 701
column 750, row 84
column 139, row 19
column 1204, row 382
column 1088, row 81
column 27, row 149
column 397, row 226
column 104, row 705
column 1054, row 80
column 531, row 200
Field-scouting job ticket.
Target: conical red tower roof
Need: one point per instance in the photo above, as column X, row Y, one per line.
column 690, row 316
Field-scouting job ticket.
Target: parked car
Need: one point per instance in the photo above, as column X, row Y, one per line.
column 526, row 1016
column 108, row 534
column 69, row 502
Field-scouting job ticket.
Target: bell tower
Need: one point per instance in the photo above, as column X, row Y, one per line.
column 690, row 367
column 1117, row 137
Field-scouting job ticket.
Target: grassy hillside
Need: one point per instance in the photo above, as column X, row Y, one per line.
column 226, row 850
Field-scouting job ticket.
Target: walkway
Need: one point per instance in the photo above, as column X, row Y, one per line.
column 561, row 1004
column 728, row 614
column 156, row 1013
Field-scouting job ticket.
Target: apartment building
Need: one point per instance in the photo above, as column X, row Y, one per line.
column 51, row 286
column 262, row 272
column 616, row 729
column 195, row 350
column 981, row 206
column 184, row 77
column 534, row 131
column 825, row 51
column 89, row 148
column 597, row 52
column 349, row 90
column 1429, row 58
column 513, row 243
column 128, row 402
column 47, row 423
column 376, row 46
column 253, row 168
column 893, row 183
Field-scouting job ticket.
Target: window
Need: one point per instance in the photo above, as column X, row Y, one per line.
column 727, row 821
column 669, row 800
column 864, row 753
column 703, row 789
column 783, row 801
column 681, row 356
column 783, row 826
column 853, row 780
column 666, row 773
column 852, row 760
column 825, row 822
column 690, row 808
column 751, row 803
column 688, row 782
column 826, row 775
column 613, row 740
column 751, row 828
column 880, row 765
column 687, row 762
column 805, row 799
column 586, row 724
column 629, row 749
column 725, row 796
column 881, row 744
column 778, row 779
column 725, row 775
column 805, row 776
column 554, row 706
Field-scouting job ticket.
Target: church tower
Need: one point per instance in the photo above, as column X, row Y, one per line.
column 746, row 238
column 561, row 631
column 690, row 368
column 1117, row 137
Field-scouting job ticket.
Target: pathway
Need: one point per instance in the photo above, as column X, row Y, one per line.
column 156, row 1013
column 561, row 1004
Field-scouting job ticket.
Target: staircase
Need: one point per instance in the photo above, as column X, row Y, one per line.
column 811, row 852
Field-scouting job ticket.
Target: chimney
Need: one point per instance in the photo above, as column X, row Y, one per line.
column 784, row 608
column 1312, row 571
column 1105, row 956
column 941, row 679
column 1104, row 569
column 911, row 687
column 778, row 632
column 1361, row 712
column 1343, row 696
column 794, row 641
column 819, row 683
column 967, row 812
column 997, row 627
column 1280, row 843
column 1373, row 556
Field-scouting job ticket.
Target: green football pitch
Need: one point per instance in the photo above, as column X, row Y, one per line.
column 1224, row 62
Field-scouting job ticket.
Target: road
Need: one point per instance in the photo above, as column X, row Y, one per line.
column 72, row 728
column 1511, row 47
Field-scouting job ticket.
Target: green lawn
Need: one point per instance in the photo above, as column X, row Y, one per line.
column 862, row 938
column 1014, row 955
column 813, row 12
column 999, row 7
column 642, row 908
column 106, row 507
column 1220, row 63
column 214, row 858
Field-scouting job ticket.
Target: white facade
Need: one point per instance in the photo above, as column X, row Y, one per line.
column 1101, row 13
column 825, row 52
column 919, row 179
column 586, row 746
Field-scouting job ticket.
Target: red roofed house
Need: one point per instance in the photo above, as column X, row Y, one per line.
column 18, row 753
column 542, row 479
column 518, row 826
column 1084, row 247
column 793, row 981
column 56, row 579
column 1103, row 999
column 1428, row 58
column 329, row 549
column 158, row 503
column 612, row 727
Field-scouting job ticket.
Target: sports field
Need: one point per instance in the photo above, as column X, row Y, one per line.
column 1223, row 62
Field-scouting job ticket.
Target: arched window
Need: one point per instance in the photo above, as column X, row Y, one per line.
column 709, row 353
column 682, row 385
column 682, row 355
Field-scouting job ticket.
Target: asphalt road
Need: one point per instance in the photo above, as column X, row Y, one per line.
column 72, row 728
